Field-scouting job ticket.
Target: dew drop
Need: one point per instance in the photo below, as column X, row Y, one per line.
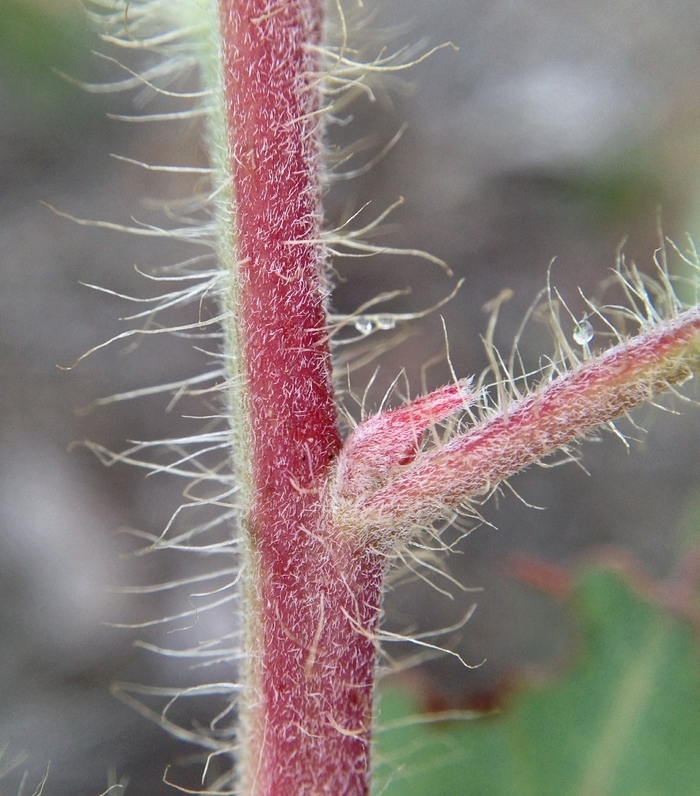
column 583, row 332
column 385, row 322
column 364, row 325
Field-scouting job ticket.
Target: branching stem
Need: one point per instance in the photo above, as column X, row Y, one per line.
column 319, row 518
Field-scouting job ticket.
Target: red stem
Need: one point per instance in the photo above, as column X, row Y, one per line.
column 596, row 392
column 315, row 599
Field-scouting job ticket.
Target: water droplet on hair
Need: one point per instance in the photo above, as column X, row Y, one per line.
column 364, row 325
column 385, row 322
column 583, row 332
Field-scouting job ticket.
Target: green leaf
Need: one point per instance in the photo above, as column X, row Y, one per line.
column 625, row 721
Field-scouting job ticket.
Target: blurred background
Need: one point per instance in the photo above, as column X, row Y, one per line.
column 557, row 131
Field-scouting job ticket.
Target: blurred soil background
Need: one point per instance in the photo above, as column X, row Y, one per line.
column 557, row 130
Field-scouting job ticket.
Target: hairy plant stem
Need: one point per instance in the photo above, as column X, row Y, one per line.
column 475, row 461
column 312, row 597
column 320, row 518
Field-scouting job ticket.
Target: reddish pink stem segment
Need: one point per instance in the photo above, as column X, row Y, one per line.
column 316, row 597
column 594, row 393
column 384, row 442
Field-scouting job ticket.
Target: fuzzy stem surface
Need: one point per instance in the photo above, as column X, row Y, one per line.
column 596, row 392
column 312, row 598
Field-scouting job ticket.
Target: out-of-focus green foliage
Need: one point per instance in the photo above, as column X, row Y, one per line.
column 35, row 41
column 610, row 191
column 624, row 721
